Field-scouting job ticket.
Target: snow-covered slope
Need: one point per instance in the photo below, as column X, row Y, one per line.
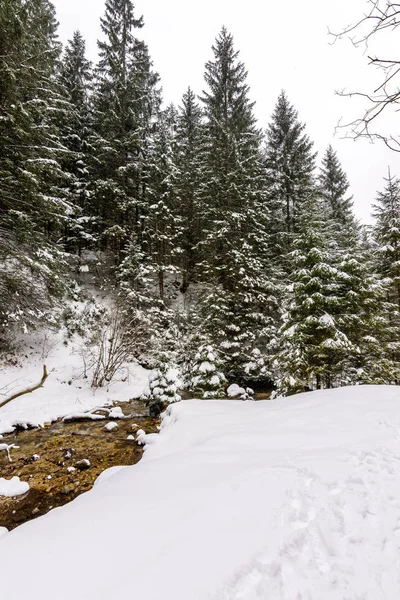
column 66, row 390
column 290, row 499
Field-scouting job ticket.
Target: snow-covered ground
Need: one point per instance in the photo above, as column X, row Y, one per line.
column 290, row 499
column 66, row 390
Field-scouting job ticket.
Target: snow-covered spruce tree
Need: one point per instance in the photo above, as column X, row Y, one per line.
column 74, row 78
column 188, row 168
column 33, row 201
column 333, row 188
column 387, row 235
column 312, row 344
column 387, row 263
column 124, row 99
column 139, row 303
column 207, row 379
column 333, row 327
column 165, row 383
column 239, row 305
column 162, row 230
column 290, row 165
column 166, row 380
column 360, row 313
column 149, row 263
column 362, row 319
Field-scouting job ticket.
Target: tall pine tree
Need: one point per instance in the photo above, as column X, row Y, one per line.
column 290, row 164
column 34, row 204
column 124, row 100
column 75, row 76
column 387, row 263
column 188, row 177
column 240, row 304
column 333, row 188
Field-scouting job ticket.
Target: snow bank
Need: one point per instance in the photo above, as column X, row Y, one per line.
column 283, row 500
column 13, row 487
column 105, row 475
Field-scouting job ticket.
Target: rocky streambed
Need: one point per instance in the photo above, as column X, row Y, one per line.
column 64, row 459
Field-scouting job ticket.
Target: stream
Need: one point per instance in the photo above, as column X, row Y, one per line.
column 63, row 460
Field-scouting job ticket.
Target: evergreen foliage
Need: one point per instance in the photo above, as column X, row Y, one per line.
column 165, row 383
column 334, row 186
column 75, row 76
column 333, row 328
column 207, row 379
column 234, row 261
column 239, row 304
column 188, row 178
column 123, row 105
column 290, row 164
column 162, row 228
column 333, row 189
column 387, row 243
column 34, row 203
column 312, row 345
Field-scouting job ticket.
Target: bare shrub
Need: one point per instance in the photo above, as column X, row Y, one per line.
column 111, row 349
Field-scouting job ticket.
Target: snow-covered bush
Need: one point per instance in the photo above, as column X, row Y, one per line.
column 84, row 317
column 207, row 380
column 165, row 382
column 256, row 368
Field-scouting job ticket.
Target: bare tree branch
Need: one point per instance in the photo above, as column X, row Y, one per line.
column 27, row 390
column 381, row 16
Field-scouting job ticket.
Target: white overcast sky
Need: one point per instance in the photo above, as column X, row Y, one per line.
column 283, row 45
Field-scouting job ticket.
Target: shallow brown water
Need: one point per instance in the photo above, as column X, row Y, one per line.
column 59, row 446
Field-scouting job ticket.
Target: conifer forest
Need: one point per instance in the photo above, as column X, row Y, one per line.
column 231, row 251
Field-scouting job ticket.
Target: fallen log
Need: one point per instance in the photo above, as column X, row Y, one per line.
column 27, row 390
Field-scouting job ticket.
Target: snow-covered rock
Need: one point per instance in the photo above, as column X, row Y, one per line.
column 141, row 437
column 116, row 413
column 13, row 487
column 3, row 531
column 111, row 426
column 235, row 390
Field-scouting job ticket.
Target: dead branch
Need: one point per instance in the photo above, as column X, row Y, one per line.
column 381, row 15
column 27, row 390
column 6, row 448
